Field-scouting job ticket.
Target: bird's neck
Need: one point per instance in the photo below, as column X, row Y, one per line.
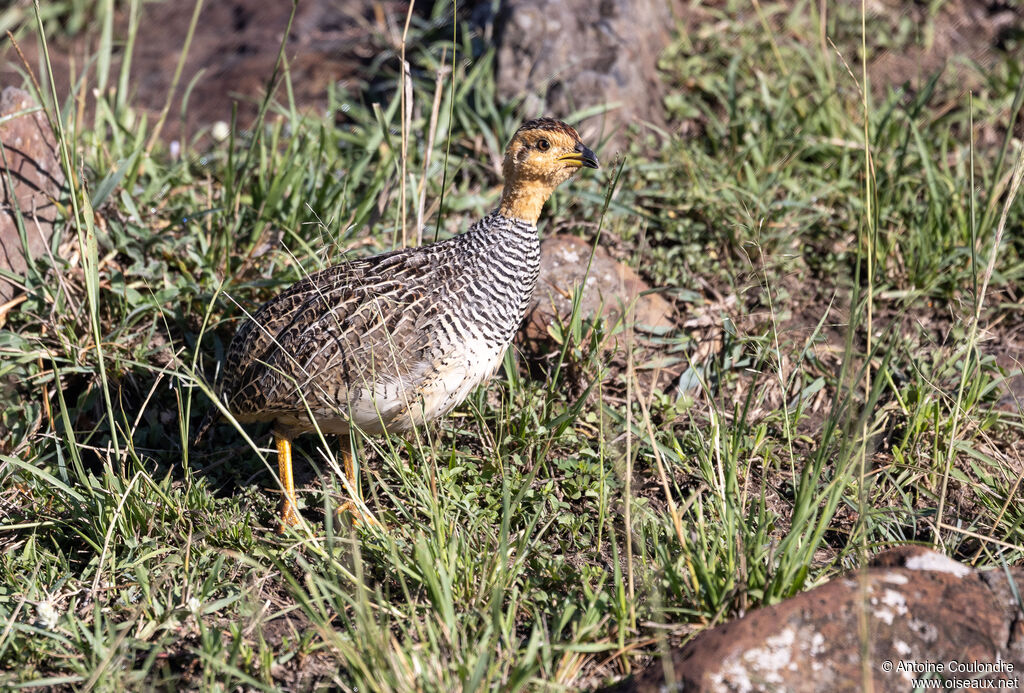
column 523, row 200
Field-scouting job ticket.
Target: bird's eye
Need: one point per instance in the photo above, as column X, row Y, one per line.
column 543, row 145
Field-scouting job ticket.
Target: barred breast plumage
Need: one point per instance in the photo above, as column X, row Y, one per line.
column 390, row 342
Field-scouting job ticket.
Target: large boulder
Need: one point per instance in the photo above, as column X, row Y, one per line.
column 565, row 56
column 912, row 614
column 32, row 180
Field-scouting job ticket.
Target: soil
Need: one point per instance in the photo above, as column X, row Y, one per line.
column 235, row 47
column 231, row 58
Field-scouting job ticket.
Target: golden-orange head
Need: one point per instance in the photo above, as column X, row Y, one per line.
column 542, row 154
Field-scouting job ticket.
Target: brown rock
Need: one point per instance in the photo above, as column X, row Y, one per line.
column 610, row 287
column 565, row 56
column 32, row 179
column 921, row 610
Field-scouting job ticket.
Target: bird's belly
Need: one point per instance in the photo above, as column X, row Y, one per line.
column 455, row 377
column 445, row 384
column 399, row 406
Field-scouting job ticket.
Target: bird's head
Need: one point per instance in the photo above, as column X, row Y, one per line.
column 542, row 154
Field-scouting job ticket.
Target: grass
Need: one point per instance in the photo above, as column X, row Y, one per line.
column 578, row 514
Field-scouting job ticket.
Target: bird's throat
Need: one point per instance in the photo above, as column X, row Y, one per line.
column 524, row 200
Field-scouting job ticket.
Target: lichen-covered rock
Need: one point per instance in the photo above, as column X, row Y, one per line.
column 31, row 180
column 910, row 615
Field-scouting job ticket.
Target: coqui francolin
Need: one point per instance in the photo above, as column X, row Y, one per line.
column 393, row 341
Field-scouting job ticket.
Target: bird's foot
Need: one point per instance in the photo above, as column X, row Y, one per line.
column 349, row 512
column 289, row 516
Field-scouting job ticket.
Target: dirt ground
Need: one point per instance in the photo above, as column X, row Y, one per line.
column 232, row 55
column 235, row 47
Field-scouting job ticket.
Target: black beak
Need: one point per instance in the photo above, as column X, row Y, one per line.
column 587, row 156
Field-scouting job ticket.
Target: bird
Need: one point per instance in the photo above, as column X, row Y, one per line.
column 393, row 341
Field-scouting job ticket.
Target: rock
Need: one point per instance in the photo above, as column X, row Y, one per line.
column 923, row 611
column 564, row 56
column 33, row 169
column 610, row 286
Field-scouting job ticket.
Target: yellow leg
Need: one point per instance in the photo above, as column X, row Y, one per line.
column 350, row 506
column 289, row 513
column 350, row 471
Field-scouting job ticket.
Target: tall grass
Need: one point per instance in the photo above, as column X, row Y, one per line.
column 579, row 514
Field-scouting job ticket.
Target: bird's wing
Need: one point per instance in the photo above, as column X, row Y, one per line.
column 352, row 327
